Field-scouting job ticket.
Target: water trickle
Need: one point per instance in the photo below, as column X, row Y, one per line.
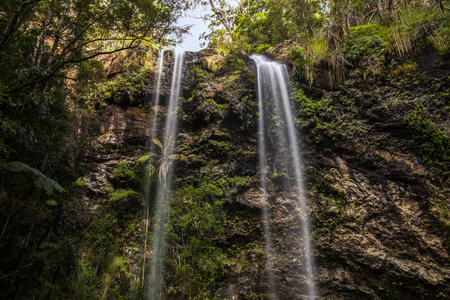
column 274, row 97
column 165, row 179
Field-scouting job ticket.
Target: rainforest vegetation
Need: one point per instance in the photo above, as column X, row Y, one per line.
column 370, row 84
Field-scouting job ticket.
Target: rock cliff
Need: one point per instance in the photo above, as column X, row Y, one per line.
column 378, row 190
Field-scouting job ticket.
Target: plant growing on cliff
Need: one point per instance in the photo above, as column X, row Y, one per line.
column 366, row 49
column 307, row 108
column 196, row 265
column 433, row 143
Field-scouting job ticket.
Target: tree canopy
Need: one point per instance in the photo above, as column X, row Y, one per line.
column 251, row 24
column 50, row 53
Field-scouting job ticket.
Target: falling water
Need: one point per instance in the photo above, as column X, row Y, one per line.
column 157, row 95
column 153, row 134
column 273, row 88
column 153, row 127
column 165, row 178
column 263, row 183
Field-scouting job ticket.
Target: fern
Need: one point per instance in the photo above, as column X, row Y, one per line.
column 122, row 194
column 144, row 158
column 84, row 268
column 40, row 181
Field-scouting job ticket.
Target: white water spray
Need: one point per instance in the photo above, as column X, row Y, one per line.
column 165, row 179
column 155, row 105
column 263, row 183
column 153, row 134
column 273, row 88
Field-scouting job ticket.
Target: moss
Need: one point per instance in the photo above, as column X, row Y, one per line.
column 128, row 90
column 222, row 107
column 405, row 69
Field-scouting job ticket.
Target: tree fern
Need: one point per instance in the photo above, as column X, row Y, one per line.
column 40, row 181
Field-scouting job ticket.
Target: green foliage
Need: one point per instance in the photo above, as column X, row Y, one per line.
column 129, row 89
column 222, row 107
column 219, row 41
column 80, row 182
column 298, row 57
column 196, row 266
column 366, row 48
column 255, row 26
column 40, row 181
column 50, row 79
column 307, row 107
column 440, row 38
column 144, row 158
column 123, row 172
column 52, row 202
column 86, row 32
column 126, row 175
column 117, row 195
column 365, row 41
column 433, row 142
column 112, row 229
column 253, row 32
column 90, row 70
column 28, row 218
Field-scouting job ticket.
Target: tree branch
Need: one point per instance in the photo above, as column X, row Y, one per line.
column 221, row 15
column 74, row 61
column 12, row 25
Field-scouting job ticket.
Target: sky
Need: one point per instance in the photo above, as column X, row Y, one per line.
column 192, row 40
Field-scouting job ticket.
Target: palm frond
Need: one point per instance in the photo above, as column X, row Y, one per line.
column 40, row 181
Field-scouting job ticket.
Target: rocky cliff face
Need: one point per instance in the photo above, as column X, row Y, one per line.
column 378, row 190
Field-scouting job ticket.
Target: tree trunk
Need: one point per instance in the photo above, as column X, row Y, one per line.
column 221, row 15
column 12, row 26
column 39, row 48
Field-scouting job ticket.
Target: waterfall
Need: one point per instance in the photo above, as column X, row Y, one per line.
column 153, row 134
column 157, row 95
column 165, row 178
column 153, row 128
column 274, row 98
column 263, row 183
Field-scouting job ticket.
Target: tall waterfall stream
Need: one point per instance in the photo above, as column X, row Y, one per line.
column 165, row 179
column 275, row 117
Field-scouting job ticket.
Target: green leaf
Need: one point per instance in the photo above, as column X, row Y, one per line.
column 122, row 194
column 80, row 182
column 41, row 181
column 144, row 158
column 52, row 202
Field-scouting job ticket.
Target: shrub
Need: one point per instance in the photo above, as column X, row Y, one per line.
column 434, row 144
column 307, row 107
column 196, row 266
column 366, row 48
